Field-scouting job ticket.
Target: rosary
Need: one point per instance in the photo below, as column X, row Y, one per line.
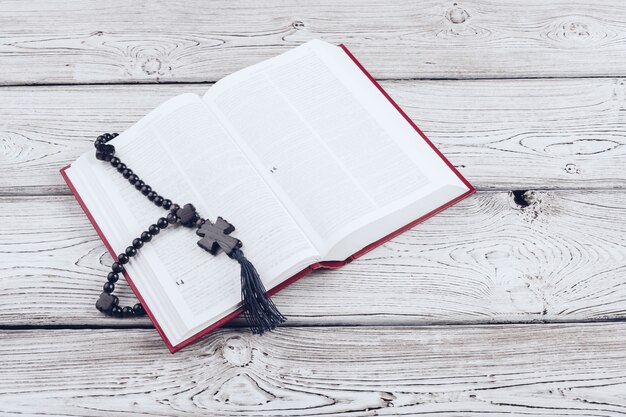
column 258, row 309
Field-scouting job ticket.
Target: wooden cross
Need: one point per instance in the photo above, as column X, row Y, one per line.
column 187, row 215
column 215, row 236
column 106, row 302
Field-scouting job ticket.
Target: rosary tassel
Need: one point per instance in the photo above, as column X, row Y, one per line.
column 258, row 308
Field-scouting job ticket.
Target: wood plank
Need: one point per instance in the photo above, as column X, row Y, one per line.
column 495, row 257
column 504, row 134
column 531, row 370
column 56, row 41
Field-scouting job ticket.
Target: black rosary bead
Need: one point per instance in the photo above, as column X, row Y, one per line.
column 138, row 310
column 108, row 287
column 146, row 237
column 162, row 223
column 130, row 251
column 109, row 303
column 117, row 267
column 117, row 311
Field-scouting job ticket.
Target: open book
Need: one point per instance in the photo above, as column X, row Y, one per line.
column 304, row 153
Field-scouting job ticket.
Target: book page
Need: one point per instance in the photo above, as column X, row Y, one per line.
column 184, row 153
column 329, row 144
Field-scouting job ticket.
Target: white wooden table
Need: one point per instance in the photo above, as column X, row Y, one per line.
column 513, row 301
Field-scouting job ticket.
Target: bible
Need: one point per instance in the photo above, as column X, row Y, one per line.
column 305, row 153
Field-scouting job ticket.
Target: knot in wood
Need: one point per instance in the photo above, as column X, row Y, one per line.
column 237, row 352
column 457, row 15
column 572, row 169
column 577, row 29
column 151, row 65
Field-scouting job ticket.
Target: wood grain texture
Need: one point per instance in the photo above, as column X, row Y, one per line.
column 495, row 257
column 498, row 257
column 91, row 41
column 501, row 134
column 532, row 370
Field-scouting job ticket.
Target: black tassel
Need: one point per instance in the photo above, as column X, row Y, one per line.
column 258, row 308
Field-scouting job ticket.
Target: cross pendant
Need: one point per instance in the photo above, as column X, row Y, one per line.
column 216, row 236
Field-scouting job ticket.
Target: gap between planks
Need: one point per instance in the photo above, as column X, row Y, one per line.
column 379, row 79
column 238, row 324
column 67, row 193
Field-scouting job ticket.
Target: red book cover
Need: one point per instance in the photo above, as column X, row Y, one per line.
column 320, row 265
